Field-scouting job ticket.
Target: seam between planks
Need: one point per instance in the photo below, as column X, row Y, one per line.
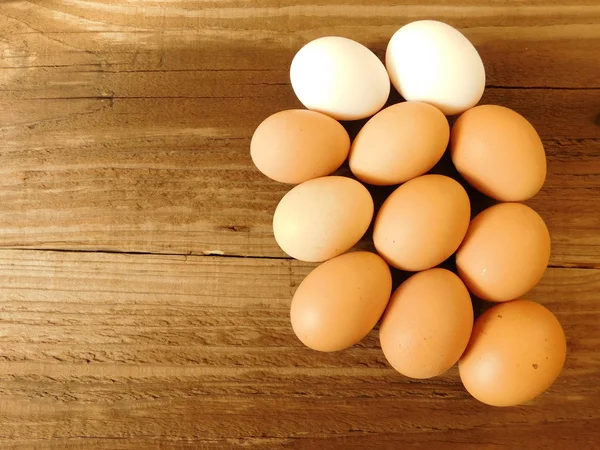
column 149, row 253
column 215, row 255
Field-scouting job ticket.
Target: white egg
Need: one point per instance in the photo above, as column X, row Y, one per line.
column 432, row 62
column 339, row 77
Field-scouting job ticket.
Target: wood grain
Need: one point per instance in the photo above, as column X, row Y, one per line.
column 124, row 164
column 119, row 137
column 164, row 183
column 156, row 351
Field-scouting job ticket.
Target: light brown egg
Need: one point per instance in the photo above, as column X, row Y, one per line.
column 322, row 218
column 516, row 352
column 422, row 222
column 499, row 153
column 399, row 143
column 427, row 324
column 340, row 301
column 505, row 252
column 297, row 145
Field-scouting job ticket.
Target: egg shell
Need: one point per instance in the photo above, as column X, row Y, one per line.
column 505, row 252
column 297, row 145
column 432, row 62
column 499, row 153
column 427, row 324
column 517, row 350
column 399, row 143
column 322, row 218
column 340, row 301
column 422, row 222
column 339, row 77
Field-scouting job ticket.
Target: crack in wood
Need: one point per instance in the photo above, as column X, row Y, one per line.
column 217, row 254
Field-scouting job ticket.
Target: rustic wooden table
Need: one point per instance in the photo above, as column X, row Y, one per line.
column 143, row 299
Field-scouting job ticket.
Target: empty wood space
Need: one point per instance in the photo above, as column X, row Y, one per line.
column 143, row 299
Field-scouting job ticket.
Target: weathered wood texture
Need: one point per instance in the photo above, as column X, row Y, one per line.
column 178, row 352
column 127, row 129
column 124, row 128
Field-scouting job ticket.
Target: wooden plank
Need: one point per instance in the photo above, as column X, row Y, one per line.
column 116, row 137
column 155, row 351
column 522, row 45
column 177, row 178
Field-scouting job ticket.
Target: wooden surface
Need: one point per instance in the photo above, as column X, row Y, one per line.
column 124, row 170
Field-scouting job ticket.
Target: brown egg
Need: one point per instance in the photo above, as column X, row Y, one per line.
column 505, row 252
column 499, row 153
column 427, row 324
column 399, row 143
column 297, row 145
column 516, row 351
column 340, row 301
column 322, row 218
column 422, row 222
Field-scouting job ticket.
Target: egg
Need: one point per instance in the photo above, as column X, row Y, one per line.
column 499, row 153
column 432, row 62
column 322, row 218
column 422, row 222
column 505, row 252
column 297, row 145
column 339, row 77
column 340, row 301
column 516, row 352
column 399, row 143
column 427, row 324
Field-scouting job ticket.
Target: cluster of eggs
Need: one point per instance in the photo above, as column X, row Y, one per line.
column 515, row 350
